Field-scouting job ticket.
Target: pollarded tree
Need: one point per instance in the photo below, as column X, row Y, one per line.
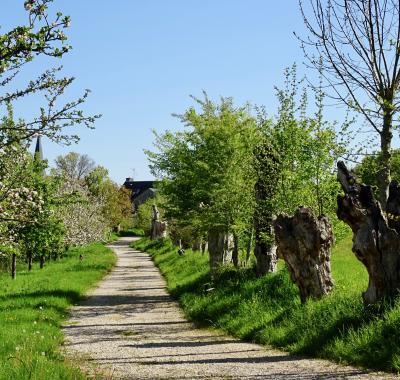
column 307, row 149
column 357, row 45
column 207, row 173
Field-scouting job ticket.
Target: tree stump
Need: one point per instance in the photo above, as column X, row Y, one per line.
column 304, row 242
column 158, row 228
column 376, row 236
column 220, row 248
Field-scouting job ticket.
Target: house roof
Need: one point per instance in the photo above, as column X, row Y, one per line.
column 138, row 187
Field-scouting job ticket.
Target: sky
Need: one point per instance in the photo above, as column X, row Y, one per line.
column 143, row 59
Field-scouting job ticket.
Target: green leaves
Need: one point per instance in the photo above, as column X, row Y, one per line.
column 207, row 170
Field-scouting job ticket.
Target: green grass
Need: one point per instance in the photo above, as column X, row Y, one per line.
column 268, row 310
column 33, row 307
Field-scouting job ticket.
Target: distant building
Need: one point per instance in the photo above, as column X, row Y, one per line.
column 141, row 191
column 38, row 149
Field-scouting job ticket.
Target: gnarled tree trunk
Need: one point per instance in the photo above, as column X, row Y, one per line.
column 220, row 247
column 376, row 239
column 304, row 242
column 158, row 228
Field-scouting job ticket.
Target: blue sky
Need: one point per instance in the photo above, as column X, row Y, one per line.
column 142, row 60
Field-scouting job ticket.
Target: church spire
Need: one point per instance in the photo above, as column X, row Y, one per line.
column 38, row 149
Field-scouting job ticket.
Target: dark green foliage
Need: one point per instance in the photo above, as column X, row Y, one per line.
column 267, row 169
column 268, row 310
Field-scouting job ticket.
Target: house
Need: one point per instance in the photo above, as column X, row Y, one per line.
column 141, row 191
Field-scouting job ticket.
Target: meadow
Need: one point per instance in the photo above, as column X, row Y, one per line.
column 34, row 306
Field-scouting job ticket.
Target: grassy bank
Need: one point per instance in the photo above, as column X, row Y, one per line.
column 33, row 306
column 268, row 310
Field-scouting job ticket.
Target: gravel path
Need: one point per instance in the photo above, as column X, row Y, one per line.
column 130, row 327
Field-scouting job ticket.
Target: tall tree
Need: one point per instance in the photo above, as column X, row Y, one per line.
column 207, row 172
column 357, row 45
column 74, row 166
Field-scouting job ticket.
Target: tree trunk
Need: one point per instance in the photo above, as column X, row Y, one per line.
column 14, row 266
column 158, row 228
column 204, row 246
column 41, row 261
column 220, row 246
column 376, row 240
column 196, row 246
column 267, row 259
column 383, row 176
column 30, row 261
column 235, row 252
column 305, row 243
column 264, row 248
column 249, row 245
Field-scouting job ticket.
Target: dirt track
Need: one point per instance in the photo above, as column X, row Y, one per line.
column 132, row 329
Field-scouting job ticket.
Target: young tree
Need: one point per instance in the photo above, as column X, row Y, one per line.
column 357, row 45
column 43, row 237
column 43, row 35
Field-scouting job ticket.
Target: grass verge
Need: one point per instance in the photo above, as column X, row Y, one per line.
column 33, row 307
column 268, row 311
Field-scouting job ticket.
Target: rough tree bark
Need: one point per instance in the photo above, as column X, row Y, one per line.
column 220, row 247
column 304, row 242
column 266, row 256
column 158, row 228
column 376, row 239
